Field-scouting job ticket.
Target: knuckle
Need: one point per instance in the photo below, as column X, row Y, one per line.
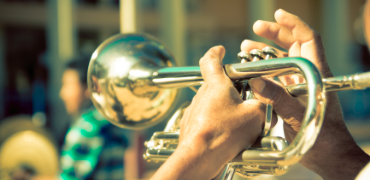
column 259, row 108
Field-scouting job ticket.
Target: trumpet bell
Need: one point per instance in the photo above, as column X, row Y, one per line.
column 119, row 80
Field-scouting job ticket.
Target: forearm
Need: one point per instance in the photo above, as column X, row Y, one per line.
column 337, row 163
column 192, row 162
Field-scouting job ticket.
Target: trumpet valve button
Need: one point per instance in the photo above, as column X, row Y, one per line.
column 257, row 54
column 244, row 57
column 269, row 52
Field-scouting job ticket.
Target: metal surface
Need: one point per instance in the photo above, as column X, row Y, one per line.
column 244, row 57
column 269, row 52
column 339, row 83
column 120, row 80
column 268, row 120
column 257, row 54
column 264, row 54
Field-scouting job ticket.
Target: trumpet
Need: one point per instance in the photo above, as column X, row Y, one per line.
column 133, row 82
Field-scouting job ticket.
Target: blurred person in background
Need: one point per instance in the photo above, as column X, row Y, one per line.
column 93, row 148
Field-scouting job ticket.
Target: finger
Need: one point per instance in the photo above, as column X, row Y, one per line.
column 247, row 45
column 301, row 79
column 299, row 29
column 307, row 37
column 298, row 79
column 211, row 64
column 287, row 29
column 275, row 32
column 291, row 79
column 295, row 50
column 286, row 106
column 287, row 80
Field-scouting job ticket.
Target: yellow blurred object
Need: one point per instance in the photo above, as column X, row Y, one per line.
column 30, row 149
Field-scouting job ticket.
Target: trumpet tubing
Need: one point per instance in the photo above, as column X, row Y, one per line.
column 357, row 81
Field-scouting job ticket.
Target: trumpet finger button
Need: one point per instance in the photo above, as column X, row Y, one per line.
column 244, row 57
column 257, row 55
column 269, row 52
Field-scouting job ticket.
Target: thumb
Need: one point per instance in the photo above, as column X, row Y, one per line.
column 211, row 64
column 270, row 92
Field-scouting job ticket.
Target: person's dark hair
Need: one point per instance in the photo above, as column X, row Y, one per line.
column 80, row 64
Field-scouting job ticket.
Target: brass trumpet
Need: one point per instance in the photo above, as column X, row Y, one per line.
column 133, row 82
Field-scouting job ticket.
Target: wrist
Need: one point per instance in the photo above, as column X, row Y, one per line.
column 206, row 158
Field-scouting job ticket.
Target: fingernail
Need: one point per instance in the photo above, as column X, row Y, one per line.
column 257, row 84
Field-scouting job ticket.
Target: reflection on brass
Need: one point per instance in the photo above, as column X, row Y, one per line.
column 120, row 80
column 339, row 83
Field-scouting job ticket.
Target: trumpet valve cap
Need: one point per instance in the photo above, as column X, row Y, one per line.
column 244, row 57
column 270, row 52
column 257, row 54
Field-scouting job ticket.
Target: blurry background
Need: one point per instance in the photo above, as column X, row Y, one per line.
column 37, row 37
